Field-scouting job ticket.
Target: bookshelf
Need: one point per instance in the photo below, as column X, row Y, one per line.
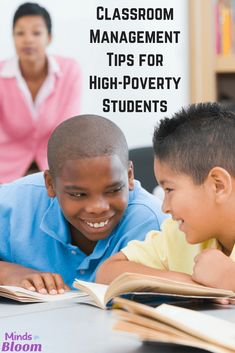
column 212, row 76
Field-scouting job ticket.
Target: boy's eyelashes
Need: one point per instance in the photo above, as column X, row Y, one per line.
column 83, row 194
column 76, row 194
column 116, row 189
column 168, row 190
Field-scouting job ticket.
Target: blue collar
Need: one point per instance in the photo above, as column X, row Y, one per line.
column 55, row 224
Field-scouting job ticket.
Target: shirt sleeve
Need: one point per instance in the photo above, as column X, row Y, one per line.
column 154, row 251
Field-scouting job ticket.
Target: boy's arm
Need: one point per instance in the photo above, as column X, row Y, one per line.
column 214, row 269
column 119, row 263
column 43, row 282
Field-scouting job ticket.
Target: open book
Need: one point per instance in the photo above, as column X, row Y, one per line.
column 175, row 325
column 147, row 289
column 27, row 296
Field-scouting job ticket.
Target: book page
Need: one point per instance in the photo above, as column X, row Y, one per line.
column 168, row 323
column 134, row 282
column 201, row 325
column 153, row 335
column 24, row 295
column 95, row 290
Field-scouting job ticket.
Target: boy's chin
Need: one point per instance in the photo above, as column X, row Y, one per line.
column 191, row 239
column 96, row 235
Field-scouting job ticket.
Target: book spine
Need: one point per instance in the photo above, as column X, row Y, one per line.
column 217, row 28
column 226, row 23
column 233, row 24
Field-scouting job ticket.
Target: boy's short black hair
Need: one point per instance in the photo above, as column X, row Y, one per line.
column 196, row 139
column 85, row 136
column 33, row 9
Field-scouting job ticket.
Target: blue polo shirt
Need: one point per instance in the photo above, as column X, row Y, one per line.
column 35, row 234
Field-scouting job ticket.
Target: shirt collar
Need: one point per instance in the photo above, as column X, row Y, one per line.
column 133, row 193
column 11, row 68
column 55, row 224
column 53, row 66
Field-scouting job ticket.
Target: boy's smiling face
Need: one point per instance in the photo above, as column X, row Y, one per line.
column 93, row 194
column 191, row 204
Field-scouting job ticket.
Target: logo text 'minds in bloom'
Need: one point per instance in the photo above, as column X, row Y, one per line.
column 18, row 347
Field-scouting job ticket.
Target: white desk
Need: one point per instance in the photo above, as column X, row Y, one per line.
column 68, row 327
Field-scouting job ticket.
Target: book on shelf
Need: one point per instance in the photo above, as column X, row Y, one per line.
column 224, row 14
column 146, row 289
column 26, row 296
column 174, row 325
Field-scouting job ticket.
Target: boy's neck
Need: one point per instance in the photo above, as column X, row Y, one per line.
column 226, row 229
column 227, row 248
column 79, row 240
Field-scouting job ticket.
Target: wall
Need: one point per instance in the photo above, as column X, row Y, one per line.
column 72, row 21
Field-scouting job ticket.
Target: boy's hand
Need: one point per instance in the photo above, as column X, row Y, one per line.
column 42, row 282
column 214, row 269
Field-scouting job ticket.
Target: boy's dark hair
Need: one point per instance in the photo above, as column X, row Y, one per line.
column 33, row 9
column 196, row 139
column 85, row 136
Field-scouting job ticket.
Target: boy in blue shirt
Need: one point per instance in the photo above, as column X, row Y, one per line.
column 195, row 165
column 87, row 209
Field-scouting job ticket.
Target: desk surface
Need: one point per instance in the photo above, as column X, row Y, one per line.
column 69, row 327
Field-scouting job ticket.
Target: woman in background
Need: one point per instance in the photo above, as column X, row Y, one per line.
column 37, row 92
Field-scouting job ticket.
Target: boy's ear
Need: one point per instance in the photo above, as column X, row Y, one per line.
column 49, row 184
column 131, row 175
column 221, row 182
